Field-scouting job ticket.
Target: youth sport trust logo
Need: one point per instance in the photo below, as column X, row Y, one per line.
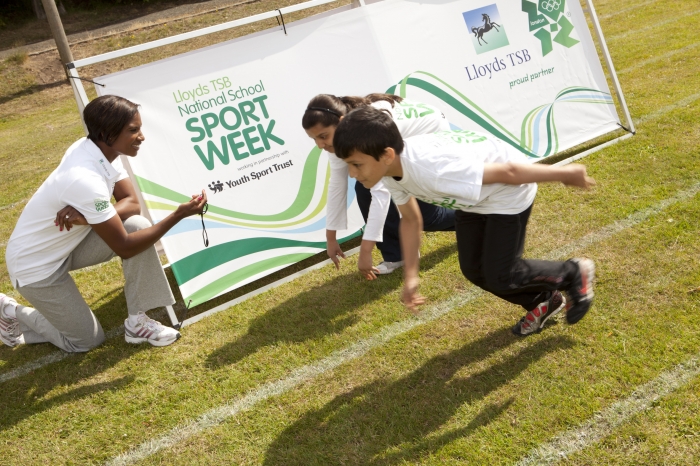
column 547, row 17
column 488, row 32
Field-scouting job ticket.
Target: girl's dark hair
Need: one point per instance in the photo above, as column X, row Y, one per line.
column 327, row 109
column 368, row 130
column 106, row 117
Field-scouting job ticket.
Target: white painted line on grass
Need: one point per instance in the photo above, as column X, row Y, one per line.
column 9, row 206
column 668, row 109
column 616, row 227
column 218, row 415
column 49, row 359
column 653, row 25
column 625, row 10
column 649, row 61
column 33, row 365
column 604, row 422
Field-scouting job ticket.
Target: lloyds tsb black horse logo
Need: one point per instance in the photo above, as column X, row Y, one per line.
column 488, row 25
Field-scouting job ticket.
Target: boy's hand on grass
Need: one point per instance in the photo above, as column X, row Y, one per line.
column 411, row 299
column 364, row 264
column 334, row 251
column 576, row 176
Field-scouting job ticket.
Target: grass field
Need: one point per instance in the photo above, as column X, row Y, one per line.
column 287, row 379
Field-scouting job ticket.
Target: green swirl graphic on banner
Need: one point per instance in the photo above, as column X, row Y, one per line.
column 196, row 264
column 307, row 188
column 200, row 262
column 227, row 281
column 538, row 133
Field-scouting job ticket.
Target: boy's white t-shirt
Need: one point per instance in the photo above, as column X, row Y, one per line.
column 412, row 119
column 83, row 180
column 447, row 169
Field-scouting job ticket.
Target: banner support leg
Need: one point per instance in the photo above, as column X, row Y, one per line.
column 609, row 63
column 81, row 97
column 171, row 314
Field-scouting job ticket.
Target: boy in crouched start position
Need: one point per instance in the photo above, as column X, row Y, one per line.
column 492, row 187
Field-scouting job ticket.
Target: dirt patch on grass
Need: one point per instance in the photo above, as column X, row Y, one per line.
column 46, row 68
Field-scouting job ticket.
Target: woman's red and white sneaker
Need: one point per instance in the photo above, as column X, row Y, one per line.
column 535, row 319
column 149, row 330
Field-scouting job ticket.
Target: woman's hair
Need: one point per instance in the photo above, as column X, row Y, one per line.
column 327, row 109
column 368, row 130
column 106, row 117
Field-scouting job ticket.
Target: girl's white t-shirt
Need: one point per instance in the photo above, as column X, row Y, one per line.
column 447, row 169
column 412, row 119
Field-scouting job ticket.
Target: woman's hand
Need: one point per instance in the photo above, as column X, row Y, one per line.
column 67, row 217
column 192, row 207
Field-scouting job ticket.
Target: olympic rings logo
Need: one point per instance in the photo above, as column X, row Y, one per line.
column 551, row 5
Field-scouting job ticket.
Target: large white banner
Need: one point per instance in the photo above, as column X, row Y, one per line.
column 227, row 118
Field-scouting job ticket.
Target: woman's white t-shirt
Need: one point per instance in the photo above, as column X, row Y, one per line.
column 84, row 180
column 412, row 119
column 447, row 169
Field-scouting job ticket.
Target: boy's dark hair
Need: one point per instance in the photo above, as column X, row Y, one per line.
column 367, row 130
column 327, row 109
column 106, row 117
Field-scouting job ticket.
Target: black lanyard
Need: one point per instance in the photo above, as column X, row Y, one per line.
column 205, row 235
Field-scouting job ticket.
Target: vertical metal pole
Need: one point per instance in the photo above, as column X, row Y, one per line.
column 59, row 35
column 609, row 63
column 81, row 97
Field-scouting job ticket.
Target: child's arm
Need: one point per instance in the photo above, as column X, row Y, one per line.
column 521, row 173
column 378, row 210
column 410, row 233
column 336, row 207
column 333, row 248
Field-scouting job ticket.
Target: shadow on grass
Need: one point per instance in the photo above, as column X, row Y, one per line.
column 387, row 423
column 30, row 394
column 34, row 88
column 309, row 315
column 27, row 406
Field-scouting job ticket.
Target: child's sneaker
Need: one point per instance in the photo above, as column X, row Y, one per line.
column 581, row 291
column 10, row 334
column 149, row 330
column 534, row 320
column 388, row 267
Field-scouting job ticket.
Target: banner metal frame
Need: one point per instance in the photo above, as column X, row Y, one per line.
column 82, row 100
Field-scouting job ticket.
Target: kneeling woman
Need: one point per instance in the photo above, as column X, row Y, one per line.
column 69, row 224
column 321, row 117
